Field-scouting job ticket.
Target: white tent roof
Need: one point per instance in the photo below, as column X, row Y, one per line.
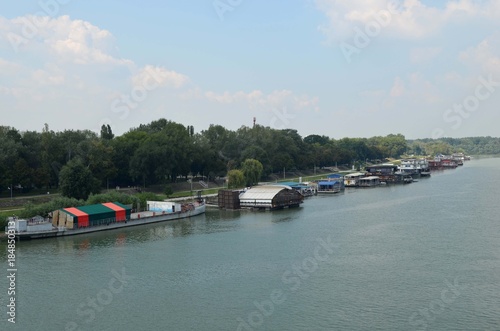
column 356, row 174
column 371, row 178
column 265, row 192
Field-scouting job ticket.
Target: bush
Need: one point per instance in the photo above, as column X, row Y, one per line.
column 168, row 191
column 44, row 209
column 146, row 196
column 122, row 198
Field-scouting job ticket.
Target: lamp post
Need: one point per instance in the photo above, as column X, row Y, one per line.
column 10, row 188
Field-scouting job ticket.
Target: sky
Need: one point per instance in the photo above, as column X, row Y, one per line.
column 357, row 68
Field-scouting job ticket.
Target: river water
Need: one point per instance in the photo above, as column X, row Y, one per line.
column 423, row 256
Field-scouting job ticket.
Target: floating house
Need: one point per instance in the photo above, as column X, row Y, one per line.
column 388, row 173
column 330, row 186
column 352, row 180
column 459, row 157
column 369, row 181
column 334, row 183
column 446, row 161
column 303, row 188
column 271, row 197
column 415, row 167
column 435, row 165
column 382, row 169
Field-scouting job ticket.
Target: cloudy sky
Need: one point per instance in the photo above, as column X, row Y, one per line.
column 342, row 68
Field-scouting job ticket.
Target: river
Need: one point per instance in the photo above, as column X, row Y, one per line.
column 423, row 256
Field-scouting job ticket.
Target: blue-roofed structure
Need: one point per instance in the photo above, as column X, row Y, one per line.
column 330, row 185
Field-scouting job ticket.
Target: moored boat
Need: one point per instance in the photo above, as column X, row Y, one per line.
column 330, row 186
column 74, row 221
column 352, row 180
column 369, row 181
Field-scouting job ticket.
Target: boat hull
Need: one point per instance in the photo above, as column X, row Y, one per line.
column 135, row 220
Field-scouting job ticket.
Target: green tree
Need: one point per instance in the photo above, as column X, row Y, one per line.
column 252, row 170
column 124, row 148
column 106, row 132
column 235, row 178
column 98, row 157
column 168, row 190
column 76, row 180
column 9, row 156
column 164, row 154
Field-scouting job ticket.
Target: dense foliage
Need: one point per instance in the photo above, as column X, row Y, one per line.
column 470, row 146
column 162, row 152
column 235, row 178
column 45, row 208
column 252, row 171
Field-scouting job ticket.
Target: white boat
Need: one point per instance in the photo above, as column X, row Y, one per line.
column 415, row 167
column 352, row 180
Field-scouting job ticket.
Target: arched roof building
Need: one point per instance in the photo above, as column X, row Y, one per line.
column 271, row 197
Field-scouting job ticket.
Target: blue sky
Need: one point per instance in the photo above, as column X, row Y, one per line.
column 333, row 67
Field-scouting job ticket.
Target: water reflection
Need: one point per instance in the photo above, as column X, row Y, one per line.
column 282, row 219
column 214, row 221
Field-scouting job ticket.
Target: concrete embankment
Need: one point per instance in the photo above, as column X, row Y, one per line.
column 206, row 197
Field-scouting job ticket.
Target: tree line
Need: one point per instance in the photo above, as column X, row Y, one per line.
column 468, row 145
column 80, row 162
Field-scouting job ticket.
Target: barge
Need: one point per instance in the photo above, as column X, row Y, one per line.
column 75, row 221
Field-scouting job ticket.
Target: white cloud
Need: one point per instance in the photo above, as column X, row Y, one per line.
column 155, row 75
column 398, row 89
column 8, row 67
column 69, row 69
column 399, row 18
column 51, row 75
column 259, row 100
column 485, row 56
column 407, row 92
column 373, row 93
column 75, row 41
column 65, row 68
column 424, row 54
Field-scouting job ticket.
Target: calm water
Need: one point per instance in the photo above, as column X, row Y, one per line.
column 424, row 256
